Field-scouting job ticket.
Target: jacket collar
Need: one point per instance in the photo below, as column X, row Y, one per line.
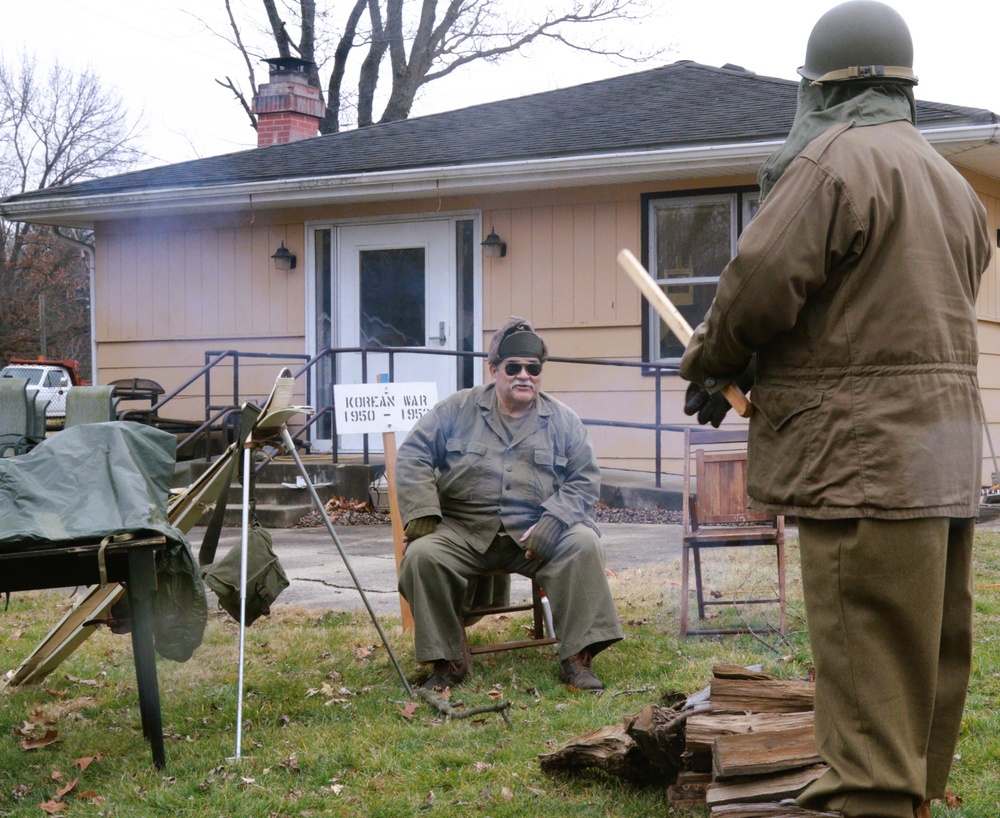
column 490, row 410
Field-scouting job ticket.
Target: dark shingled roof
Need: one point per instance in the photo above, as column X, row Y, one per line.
column 681, row 104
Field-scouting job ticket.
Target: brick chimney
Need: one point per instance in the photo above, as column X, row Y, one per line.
column 288, row 108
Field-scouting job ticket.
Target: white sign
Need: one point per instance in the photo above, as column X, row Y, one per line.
column 381, row 407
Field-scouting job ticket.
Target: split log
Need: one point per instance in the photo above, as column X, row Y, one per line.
column 759, row 788
column 768, row 810
column 610, row 749
column 763, row 753
column 689, row 789
column 659, row 733
column 721, row 671
column 702, row 729
column 762, row 696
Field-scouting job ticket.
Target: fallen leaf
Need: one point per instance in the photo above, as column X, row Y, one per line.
column 52, row 807
column 245, row 782
column 495, row 694
column 430, row 799
column 38, row 716
column 507, row 794
column 82, row 763
column 90, row 682
column 408, row 711
column 55, row 775
column 22, row 791
column 36, row 743
column 88, row 794
column 68, row 788
column 363, row 651
column 482, row 766
column 336, row 789
column 951, row 800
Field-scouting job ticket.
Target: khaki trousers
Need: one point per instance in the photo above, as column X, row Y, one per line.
column 436, row 570
column 889, row 606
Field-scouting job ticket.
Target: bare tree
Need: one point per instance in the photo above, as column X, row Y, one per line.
column 415, row 41
column 56, row 127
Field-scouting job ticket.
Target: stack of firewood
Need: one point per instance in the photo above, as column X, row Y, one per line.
column 744, row 746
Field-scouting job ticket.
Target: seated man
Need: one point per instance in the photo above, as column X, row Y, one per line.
column 502, row 476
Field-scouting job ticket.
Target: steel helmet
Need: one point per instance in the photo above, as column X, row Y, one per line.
column 859, row 40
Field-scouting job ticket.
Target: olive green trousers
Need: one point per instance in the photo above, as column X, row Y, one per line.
column 436, row 570
column 889, row 606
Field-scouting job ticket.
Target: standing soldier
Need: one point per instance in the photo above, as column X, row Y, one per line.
column 854, row 292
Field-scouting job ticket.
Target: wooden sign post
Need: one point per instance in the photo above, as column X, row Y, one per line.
column 387, row 408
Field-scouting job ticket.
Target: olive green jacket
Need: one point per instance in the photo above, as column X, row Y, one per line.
column 856, row 286
column 456, row 464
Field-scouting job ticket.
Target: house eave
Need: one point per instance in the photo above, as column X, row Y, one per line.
column 975, row 147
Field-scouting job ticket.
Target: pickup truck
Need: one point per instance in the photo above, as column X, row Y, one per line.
column 47, row 380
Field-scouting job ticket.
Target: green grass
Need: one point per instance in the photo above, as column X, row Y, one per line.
column 324, row 733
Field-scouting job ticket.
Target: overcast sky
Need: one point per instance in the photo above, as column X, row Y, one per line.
column 164, row 62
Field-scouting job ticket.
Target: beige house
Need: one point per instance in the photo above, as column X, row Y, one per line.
column 387, row 225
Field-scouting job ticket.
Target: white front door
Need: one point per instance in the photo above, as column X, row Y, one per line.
column 394, row 286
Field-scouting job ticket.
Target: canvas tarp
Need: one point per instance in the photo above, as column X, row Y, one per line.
column 98, row 479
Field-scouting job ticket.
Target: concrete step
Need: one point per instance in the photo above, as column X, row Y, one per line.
column 281, row 506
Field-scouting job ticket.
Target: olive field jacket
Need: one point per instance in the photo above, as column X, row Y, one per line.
column 856, row 286
column 456, row 464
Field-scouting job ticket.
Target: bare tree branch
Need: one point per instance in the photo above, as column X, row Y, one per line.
column 415, row 46
column 250, row 73
column 54, row 130
column 331, row 119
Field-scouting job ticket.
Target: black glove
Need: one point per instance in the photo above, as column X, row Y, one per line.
column 712, row 406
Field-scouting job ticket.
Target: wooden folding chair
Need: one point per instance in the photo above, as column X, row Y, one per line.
column 469, row 615
column 538, row 638
column 715, row 515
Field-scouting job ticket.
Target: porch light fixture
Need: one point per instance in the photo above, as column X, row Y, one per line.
column 493, row 247
column 284, row 259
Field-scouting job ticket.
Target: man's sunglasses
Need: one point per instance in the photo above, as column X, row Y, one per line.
column 512, row 369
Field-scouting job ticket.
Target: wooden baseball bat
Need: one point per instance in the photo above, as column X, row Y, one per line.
column 672, row 316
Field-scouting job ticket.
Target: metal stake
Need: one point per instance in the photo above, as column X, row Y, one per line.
column 247, row 465
column 290, row 445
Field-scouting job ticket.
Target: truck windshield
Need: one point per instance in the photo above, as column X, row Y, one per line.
column 32, row 373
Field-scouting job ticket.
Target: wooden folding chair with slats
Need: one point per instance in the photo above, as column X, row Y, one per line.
column 715, row 516
column 537, row 639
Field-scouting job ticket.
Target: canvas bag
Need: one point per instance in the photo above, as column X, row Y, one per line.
column 265, row 577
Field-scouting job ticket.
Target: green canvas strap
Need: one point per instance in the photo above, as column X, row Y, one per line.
column 206, row 554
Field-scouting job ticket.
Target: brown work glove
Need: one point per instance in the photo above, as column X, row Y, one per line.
column 420, row 527
column 544, row 536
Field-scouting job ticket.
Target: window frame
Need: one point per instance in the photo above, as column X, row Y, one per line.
column 745, row 201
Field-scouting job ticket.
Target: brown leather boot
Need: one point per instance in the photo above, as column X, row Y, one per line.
column 575, row 671
column 446, row 674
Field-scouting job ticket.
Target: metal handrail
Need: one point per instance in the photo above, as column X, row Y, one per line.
column 216, row 414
